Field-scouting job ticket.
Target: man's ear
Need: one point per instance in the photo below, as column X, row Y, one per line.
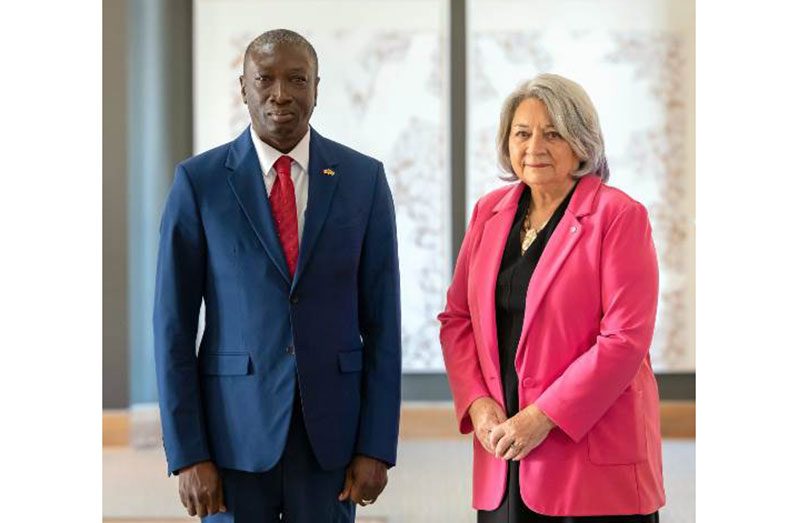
column 243, row 88
column 316, row 93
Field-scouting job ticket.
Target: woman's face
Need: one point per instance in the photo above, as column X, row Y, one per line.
column 538, row 154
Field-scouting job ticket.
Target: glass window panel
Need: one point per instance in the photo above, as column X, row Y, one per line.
column 383, row 91
column 636, row 61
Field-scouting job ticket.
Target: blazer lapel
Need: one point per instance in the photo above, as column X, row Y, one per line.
column 560, row 245
column 487, row 263
column 321, row 188
column 246, row 181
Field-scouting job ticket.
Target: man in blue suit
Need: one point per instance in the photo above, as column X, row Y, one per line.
column 290, row 409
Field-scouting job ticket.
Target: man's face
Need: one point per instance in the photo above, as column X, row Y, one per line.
column 279, row 87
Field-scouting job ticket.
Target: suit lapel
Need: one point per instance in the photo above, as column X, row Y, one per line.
column 558, row 248
column 321, row 188
column 246, row 181
column 489, row 257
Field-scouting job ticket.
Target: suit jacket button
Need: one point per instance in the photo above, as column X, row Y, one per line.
column 528, row 383
column 290, row 349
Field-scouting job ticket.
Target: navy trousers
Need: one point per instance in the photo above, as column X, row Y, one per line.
column 296, row 490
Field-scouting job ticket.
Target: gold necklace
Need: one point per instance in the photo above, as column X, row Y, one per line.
column 531, row 232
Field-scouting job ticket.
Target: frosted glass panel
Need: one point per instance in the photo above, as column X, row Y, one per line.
column 635, row 59
column 384, row 92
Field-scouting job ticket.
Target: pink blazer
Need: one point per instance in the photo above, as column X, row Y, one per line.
column 582, row 357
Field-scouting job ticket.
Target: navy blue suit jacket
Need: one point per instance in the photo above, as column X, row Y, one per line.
column 335, row 326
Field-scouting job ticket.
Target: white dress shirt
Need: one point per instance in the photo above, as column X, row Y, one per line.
column 300, row 155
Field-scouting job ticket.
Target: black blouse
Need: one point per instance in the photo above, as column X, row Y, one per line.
column 511, row 289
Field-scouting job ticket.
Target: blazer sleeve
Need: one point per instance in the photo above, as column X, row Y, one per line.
column 379, row 319
column 457, row 337
column 179, row 288
column 581, row 395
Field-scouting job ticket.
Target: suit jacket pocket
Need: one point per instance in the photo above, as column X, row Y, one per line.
column 345, row 220
column 350, row 361
column 225, row 364
column 618, row 438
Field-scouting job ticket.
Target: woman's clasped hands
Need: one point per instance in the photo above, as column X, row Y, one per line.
column 511, row 438
column 486, row 414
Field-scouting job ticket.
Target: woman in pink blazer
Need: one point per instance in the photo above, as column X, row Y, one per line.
column 548, row 323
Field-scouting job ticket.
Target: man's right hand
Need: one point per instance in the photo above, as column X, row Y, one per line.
column 485, row 414
column 201, row 489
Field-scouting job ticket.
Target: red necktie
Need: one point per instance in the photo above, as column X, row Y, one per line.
column 283, row 203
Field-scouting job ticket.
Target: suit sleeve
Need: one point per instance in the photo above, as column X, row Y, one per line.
column 457, row 338
column 179, row 289
column 379, row 319
column 629, row 287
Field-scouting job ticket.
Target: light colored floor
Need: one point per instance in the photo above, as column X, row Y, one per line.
column 431, row 485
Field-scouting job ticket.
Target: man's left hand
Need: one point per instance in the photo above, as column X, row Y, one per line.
column 365, row 479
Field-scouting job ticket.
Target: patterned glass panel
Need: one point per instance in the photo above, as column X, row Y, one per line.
column 636, row 61
column 383, row 91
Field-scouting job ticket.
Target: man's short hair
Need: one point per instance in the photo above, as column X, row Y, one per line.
column 282, row 37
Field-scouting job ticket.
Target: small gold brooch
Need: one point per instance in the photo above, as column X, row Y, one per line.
column 328, row 172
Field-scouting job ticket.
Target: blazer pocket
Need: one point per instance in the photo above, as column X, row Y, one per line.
column 350, row 361
column 225, row 364
column 344, row 228
column 345, row 221
column 618, row 438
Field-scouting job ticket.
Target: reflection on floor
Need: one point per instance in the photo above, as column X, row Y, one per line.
column 136, row 489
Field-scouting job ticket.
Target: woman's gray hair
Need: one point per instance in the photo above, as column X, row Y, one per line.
column 572, row 114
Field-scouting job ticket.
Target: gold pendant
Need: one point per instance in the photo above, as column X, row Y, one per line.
column 529, row 237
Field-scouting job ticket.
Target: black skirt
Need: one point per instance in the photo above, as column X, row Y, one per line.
column 513, row 509
column 511, row 288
